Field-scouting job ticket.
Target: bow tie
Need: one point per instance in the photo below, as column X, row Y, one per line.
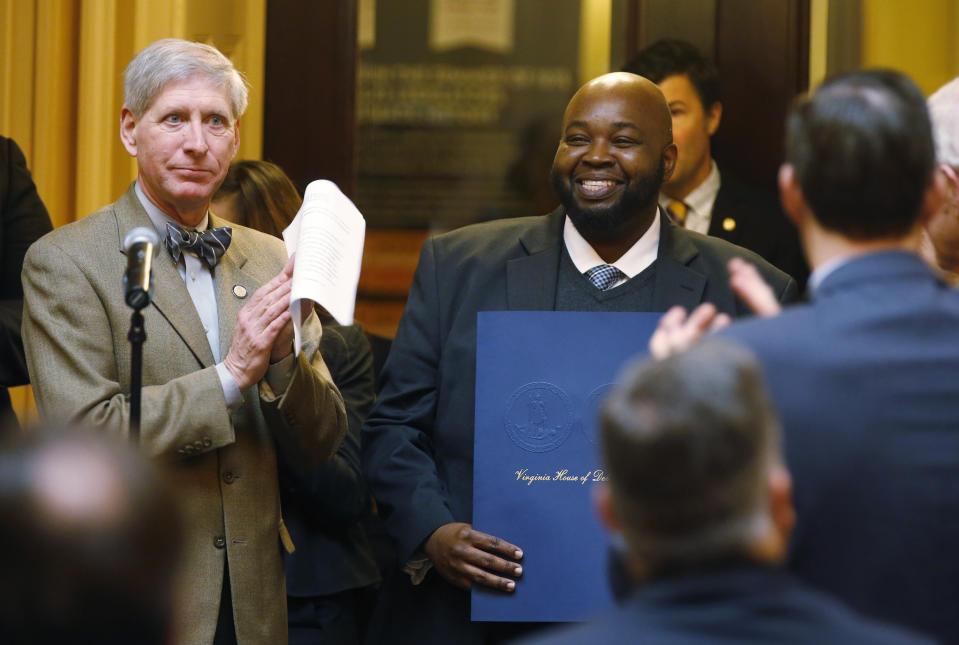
column 209, row 245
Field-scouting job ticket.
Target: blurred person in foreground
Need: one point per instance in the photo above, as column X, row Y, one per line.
column 940, row 238
column 23, row 219
column 89, row 538
column 330, row 574
column 700, row 502
column 704, row 197
column 866, row 375
column 223, row 392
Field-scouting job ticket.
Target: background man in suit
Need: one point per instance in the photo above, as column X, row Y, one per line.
column 707, row 200
column 616, row 149
column 866, row 376
column 23, row 219
column 89, row 536
column 699, row 497
column 223, row 391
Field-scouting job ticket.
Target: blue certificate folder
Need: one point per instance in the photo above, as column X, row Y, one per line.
column 540, row 376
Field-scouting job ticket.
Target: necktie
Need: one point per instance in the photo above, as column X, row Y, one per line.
column 604, row 276
column 209, row 245
column 678, row 211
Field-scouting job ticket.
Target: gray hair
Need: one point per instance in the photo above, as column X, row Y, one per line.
column 944, row 112
column 173, row 59
column 689, row 443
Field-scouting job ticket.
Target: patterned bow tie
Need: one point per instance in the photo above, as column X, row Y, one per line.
column 209, row 245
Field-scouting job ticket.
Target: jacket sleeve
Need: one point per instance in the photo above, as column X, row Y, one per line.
column 397, row 436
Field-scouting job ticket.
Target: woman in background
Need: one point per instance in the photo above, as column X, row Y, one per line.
column 330, row 575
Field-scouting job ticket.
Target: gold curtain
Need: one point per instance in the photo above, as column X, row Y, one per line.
column 61, row 89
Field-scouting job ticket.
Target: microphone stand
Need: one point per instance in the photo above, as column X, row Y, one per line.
column 136, row 336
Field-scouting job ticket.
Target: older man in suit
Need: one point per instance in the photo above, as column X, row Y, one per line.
column 223, row 391
column 866, row 376
column 608, row 248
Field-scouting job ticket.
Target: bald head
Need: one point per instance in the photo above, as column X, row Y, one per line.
column 642, row 93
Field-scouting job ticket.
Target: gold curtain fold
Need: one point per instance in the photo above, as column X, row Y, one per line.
column 61, row 89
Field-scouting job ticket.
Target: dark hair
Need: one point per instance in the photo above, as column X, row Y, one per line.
column 89, row 540
column 688, row 443
column 666, row 58
column 863, row 153
column 266, row 198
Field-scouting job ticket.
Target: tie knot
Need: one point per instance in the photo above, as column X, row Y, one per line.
column 604, row 276
column 678, row 210
column 208, row 245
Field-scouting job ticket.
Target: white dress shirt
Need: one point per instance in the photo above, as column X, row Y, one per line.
column 699, row 202
column 633, row 262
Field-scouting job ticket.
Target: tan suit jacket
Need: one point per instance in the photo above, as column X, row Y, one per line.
column 223, row 467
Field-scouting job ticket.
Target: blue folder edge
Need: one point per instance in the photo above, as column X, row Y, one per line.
column 540, row 378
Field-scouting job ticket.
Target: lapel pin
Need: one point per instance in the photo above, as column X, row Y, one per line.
column 239, row 291
column 729, row 224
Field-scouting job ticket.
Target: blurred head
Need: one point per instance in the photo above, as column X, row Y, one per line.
column 940, row 244
column 180, row 119
column 690, row 83
column 691, row 447
column 89, row 540
column 860, row 152
column 614, row 152
column 257, row 194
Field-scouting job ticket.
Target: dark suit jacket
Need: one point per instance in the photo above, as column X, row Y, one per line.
column 866, row 378
column 23, row 219
column 747, row 604
column 759, row 225
column 418, row 440
column 323, row 507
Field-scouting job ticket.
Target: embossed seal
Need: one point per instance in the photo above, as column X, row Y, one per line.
column 593, row 401
column 538, row 417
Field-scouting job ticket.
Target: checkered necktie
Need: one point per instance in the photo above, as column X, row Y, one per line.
column 209, row 245
column 678, row 210
column 604, row 276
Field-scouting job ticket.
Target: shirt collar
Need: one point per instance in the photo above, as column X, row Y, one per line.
column 700, row 201
column 159, row 218
column 639, row 256
column 824, row 270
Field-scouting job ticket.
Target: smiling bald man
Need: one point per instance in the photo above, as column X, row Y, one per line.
column 615, row 151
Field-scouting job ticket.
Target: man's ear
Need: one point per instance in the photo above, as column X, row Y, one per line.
column 128, row 126
column 603, row 503
column 670, row 154
column 935, row 196
column 713, row 116
column 781, row 507
column 236, row 138
column 790, row 194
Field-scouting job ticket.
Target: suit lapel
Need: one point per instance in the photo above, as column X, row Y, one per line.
column 233, row 286
column 531, row 279
column 170, row 296
column 676, row 283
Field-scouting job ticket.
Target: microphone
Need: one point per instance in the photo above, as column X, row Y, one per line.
column 140, row 244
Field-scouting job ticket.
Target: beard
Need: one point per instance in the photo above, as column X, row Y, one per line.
column 602, row 221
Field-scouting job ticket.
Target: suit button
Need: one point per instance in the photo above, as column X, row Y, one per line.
column 207, row 442
column 219, row 542
column 228, row 477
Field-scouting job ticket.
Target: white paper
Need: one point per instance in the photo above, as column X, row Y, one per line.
column 327, row 236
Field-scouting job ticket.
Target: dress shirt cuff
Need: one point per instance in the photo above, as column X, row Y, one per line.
column 279, row 374
column 417, row 567
column 231, row 391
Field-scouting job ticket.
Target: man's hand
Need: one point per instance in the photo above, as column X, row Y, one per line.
column 746, row 283
column 464, row 557
column 677, row 332
column 261, row 332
